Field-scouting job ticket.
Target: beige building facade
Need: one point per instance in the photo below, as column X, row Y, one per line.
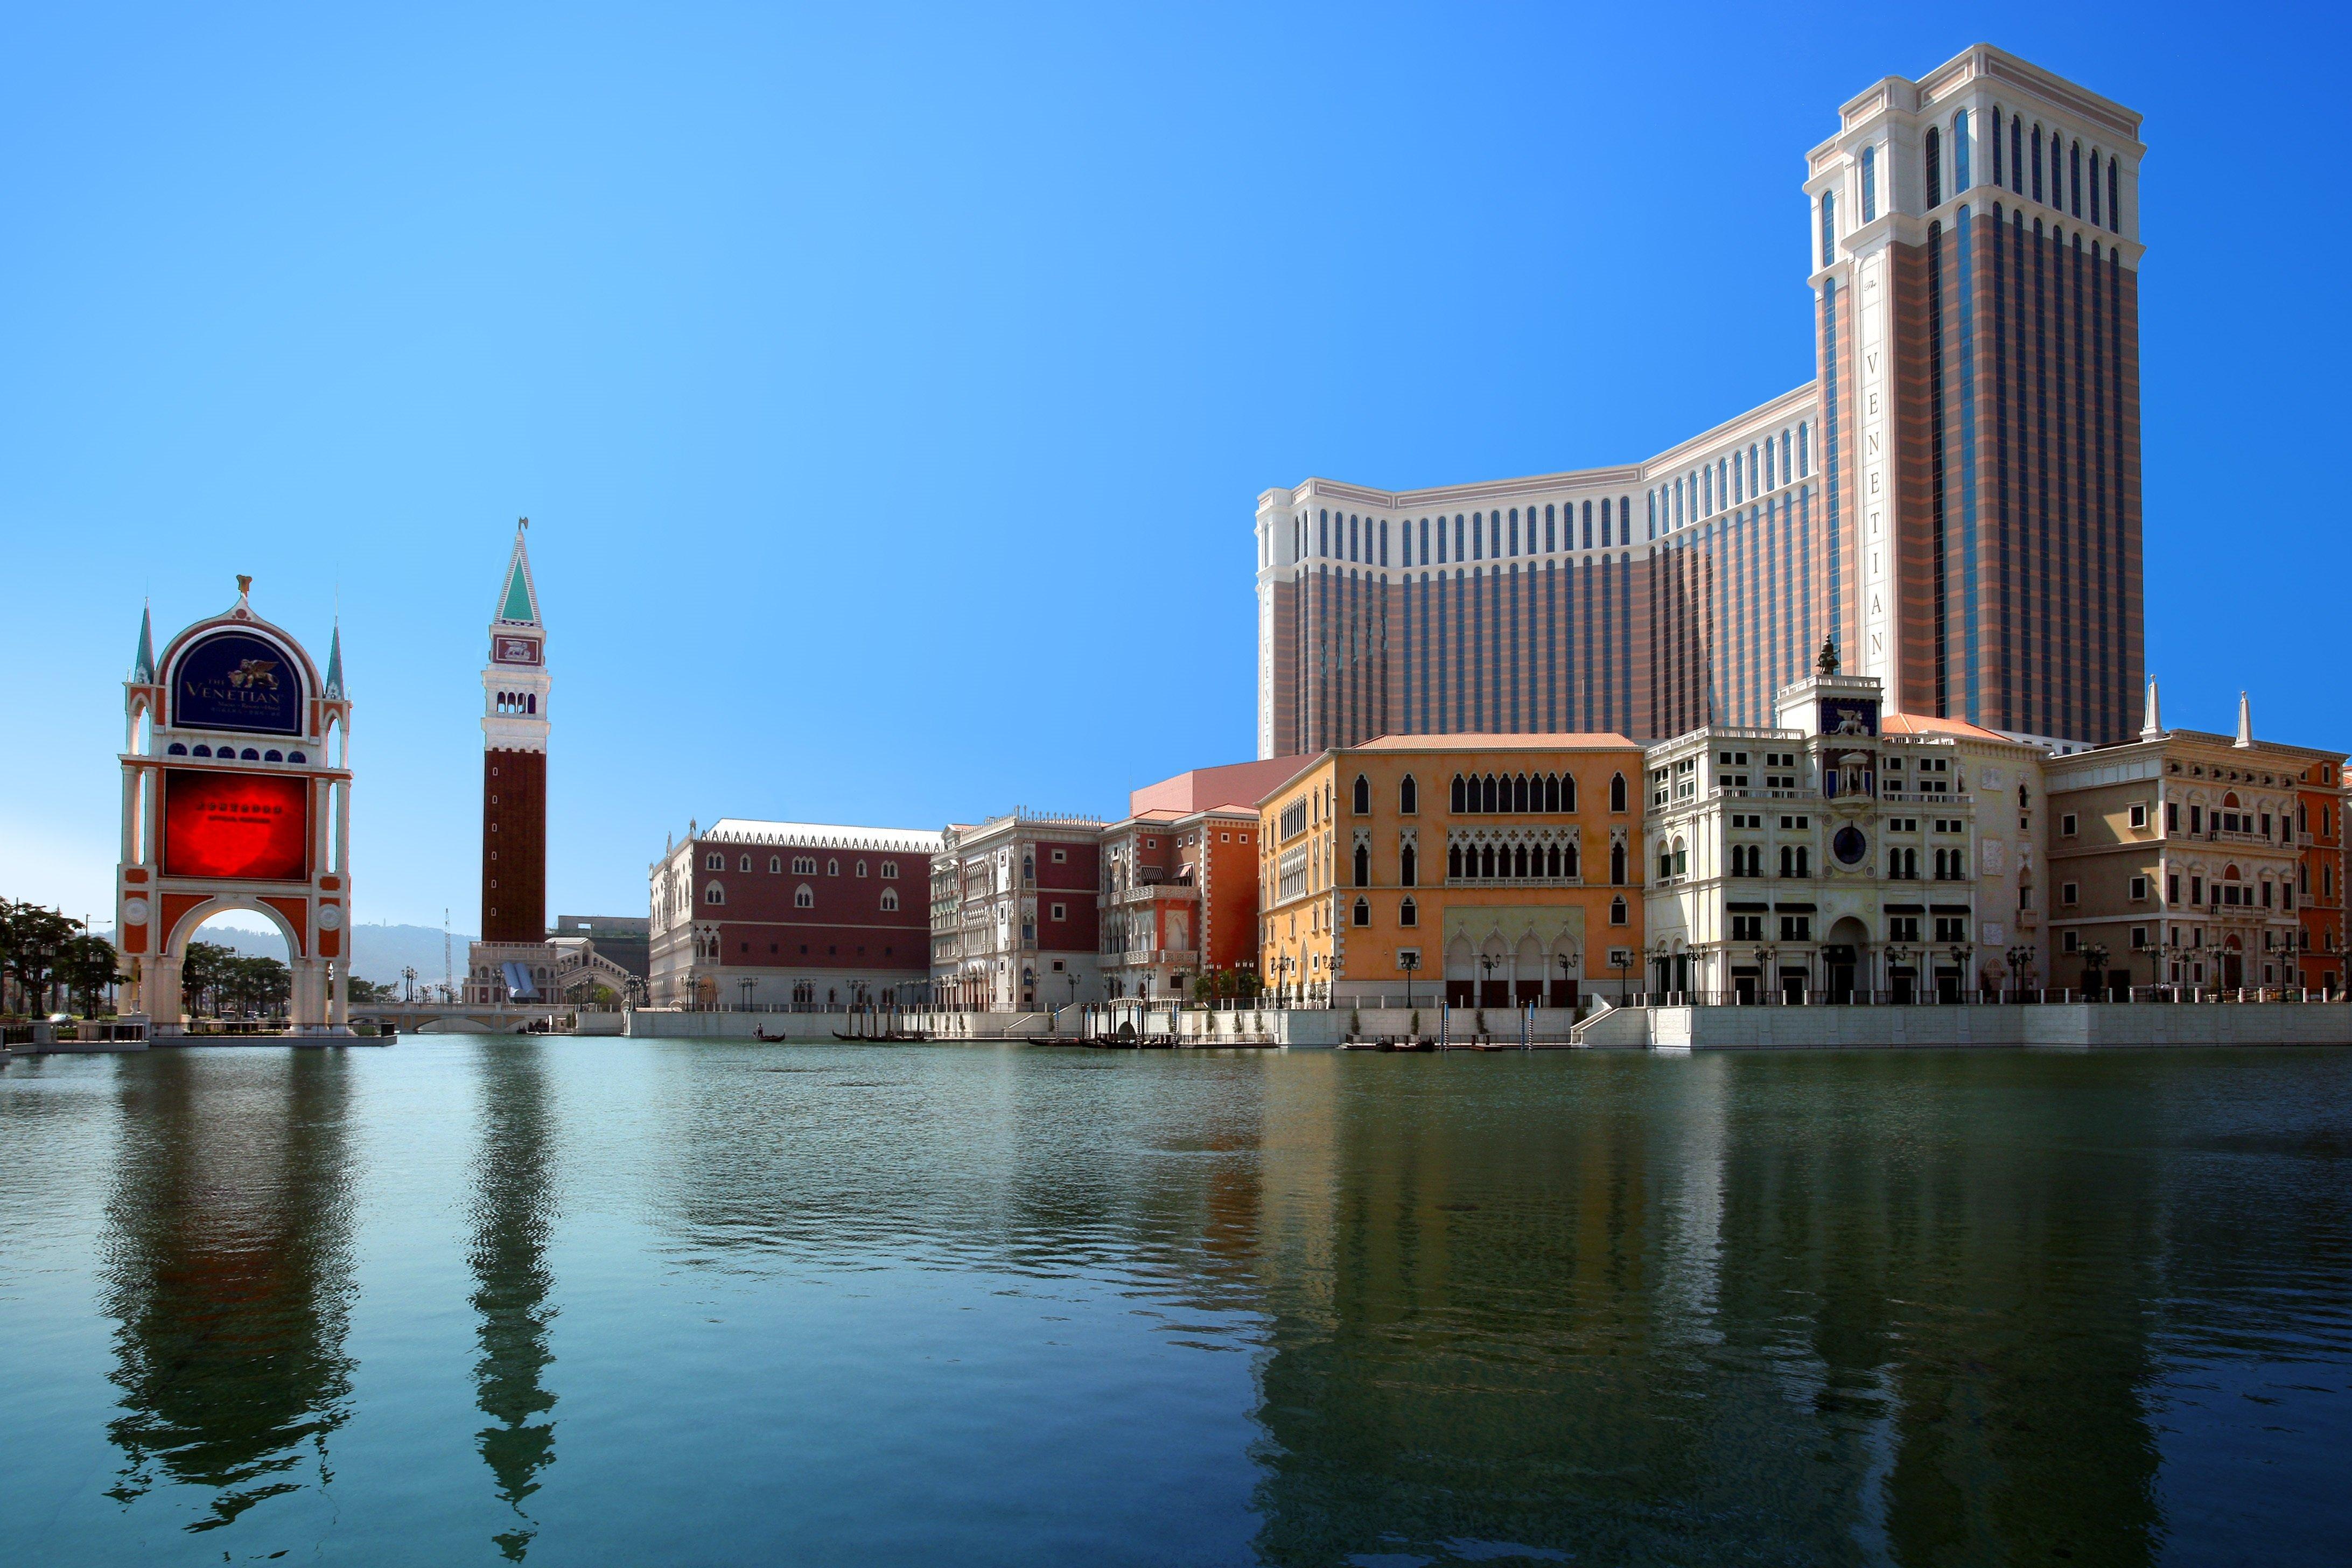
column 2174, row 860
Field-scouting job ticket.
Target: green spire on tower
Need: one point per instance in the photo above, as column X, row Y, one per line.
column 142, row 665
column 518, row 604
column 335, row 664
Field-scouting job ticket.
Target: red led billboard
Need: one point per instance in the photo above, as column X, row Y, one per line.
column 251, row 827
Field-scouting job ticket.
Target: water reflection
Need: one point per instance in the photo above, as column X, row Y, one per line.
column 1807, row 1308
column 228, row 1268
column 512, row 1211
column 876, row 1304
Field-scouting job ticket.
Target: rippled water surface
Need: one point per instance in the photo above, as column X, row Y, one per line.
column 563, row 1302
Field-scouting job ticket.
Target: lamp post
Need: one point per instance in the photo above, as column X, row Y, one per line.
column 1657, row 953
column 1567, row 972
column 1485, row 962
column 1408, row 960
column 744, row 993
column 1621, row 954
column 1897, row 956
column 1768, row 982
column 2017, row 957
column 2094, row 958
column 1961, row 956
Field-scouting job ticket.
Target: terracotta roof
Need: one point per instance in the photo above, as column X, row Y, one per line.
column 1199, row 789
column 1929, row 724
column 1582, row 740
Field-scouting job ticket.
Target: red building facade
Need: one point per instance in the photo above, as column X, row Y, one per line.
column 808, row 914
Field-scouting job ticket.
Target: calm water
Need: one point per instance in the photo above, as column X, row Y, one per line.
column 630, row 1302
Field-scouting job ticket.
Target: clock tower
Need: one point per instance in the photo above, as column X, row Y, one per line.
column 512, row 960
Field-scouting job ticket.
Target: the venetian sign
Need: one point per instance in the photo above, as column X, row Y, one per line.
column 234, row 680
column 514, row 650
column 243, row 826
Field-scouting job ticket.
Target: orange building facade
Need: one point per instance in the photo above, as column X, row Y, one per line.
column 2319, row 891
column 1493, row 870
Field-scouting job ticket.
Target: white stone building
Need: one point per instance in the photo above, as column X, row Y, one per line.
column 1843, row 851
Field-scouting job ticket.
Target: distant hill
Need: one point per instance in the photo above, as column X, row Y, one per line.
column 379, row 953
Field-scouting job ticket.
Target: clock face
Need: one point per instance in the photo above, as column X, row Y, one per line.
column 514, row 650
column 1848, row 844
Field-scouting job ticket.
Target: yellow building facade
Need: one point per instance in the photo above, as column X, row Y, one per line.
column 1492, row 871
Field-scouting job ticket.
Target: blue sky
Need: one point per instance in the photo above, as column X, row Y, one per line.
column 891, row 389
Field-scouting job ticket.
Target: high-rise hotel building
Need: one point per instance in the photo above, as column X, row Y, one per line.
column 1954, row 500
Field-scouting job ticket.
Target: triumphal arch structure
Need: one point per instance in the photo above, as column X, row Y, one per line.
column 235, row 794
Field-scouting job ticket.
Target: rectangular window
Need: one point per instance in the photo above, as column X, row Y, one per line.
column 2070, row 893
column 1796, row 928
column 2066, row 826
column 2139, row 889
column 2196, row 819
column 2072, row 942
column 1061, row 911
column 2172, row 816
column 2139, row 814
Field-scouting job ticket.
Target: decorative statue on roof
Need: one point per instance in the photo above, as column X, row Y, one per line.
column 1827, row 659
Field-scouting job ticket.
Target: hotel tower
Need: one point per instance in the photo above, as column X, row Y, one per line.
column 1954, row 500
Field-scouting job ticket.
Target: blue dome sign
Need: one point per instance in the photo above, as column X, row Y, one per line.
column 234, row 680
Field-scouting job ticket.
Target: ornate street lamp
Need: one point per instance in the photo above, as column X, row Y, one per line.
column 1960, row 954
column 1768, row 981
column 1487, row 963
column 1408, row 960
column 2094, row 957
column 1897, row 956
column 2019, row 958
column 1567, row 972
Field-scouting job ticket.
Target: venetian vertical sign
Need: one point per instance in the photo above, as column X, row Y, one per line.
column 1872, row 341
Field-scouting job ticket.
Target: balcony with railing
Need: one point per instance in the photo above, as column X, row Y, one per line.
column 1149, row 892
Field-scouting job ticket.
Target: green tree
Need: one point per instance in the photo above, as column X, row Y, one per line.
column 358, row 991
column 86, row 967
column 32, row 941
column 204, row 969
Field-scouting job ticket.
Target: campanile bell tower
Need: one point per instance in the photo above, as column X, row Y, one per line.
column 514, row 761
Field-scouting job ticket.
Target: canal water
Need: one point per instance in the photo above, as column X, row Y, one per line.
column 633, row 1302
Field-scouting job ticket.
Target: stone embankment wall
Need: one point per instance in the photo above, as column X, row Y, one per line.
column 2054, row 1026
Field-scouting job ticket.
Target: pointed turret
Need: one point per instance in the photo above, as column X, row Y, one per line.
column 2245, row 741
column 142, row 664
column 335, row 664
column 518, row 600
column 2151, row 719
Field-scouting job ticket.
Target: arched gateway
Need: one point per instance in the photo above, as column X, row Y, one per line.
column 235, row 794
